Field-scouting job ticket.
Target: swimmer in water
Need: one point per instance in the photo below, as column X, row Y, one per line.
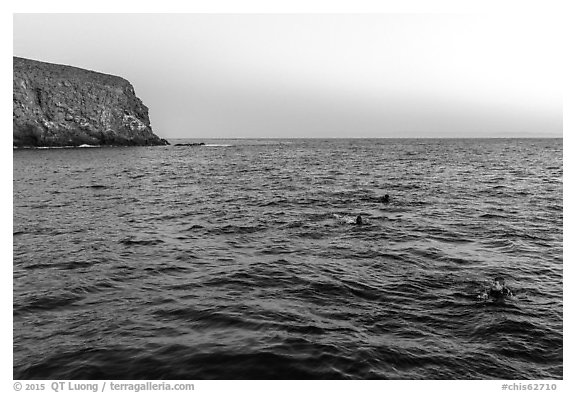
column 385, row 199
column 350, row 219
column 498, row 290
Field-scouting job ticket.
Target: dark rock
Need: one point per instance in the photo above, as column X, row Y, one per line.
column 58, row 105
column 190, row 144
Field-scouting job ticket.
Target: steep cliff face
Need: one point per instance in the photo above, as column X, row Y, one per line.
column 57, row 105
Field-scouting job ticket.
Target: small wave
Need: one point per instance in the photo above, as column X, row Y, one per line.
column 45, row 303
column 184, row 362
column 237, row 229
column 194, row 227
column 132, row 242
column 277, row 250
column 492, row 215
column 217, row 145
column 206, row 319
column 167, row 269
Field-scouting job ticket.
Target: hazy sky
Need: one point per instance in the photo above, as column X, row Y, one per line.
column 314, row 75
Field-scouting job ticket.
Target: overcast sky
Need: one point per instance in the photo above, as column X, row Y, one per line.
column 306, row 75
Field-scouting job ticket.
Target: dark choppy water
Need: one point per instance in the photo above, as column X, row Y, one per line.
column 228, row 262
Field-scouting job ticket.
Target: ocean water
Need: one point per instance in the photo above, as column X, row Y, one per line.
column 238, row 260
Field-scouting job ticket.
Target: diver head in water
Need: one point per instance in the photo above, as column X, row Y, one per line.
column 359, row 220
column 499, row 290
column 498, row 284
column 385, row 199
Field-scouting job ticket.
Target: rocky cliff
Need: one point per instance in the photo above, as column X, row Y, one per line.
column 57, row 105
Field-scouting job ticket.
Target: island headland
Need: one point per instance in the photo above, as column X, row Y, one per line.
column 59, row 105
